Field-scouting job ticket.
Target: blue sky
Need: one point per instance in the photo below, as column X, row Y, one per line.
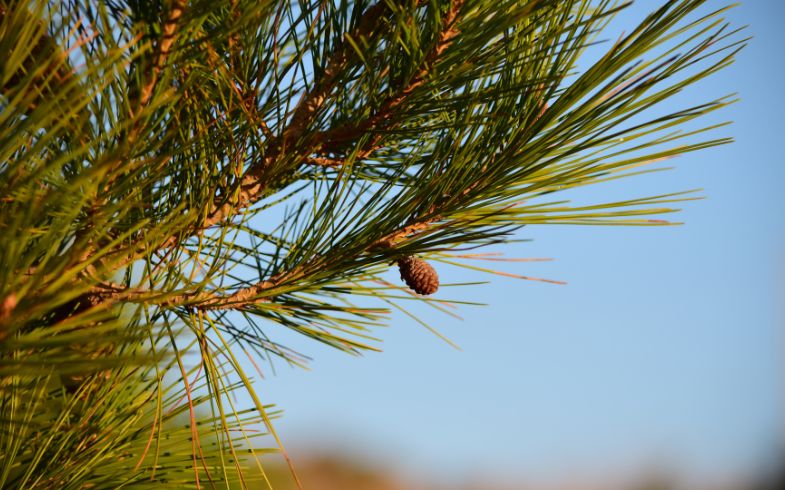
column 664, row 348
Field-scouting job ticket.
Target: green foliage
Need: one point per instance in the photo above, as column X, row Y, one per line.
column 178, row 177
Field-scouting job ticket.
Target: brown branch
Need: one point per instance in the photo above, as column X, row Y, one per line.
column 324, row 162
column 164, row 47
column 210, row 300
column 310, row 103
column 340, row 162
column 145, row 95
column 163, row 50
column 336, row 138
column 333, row 139
column 204, row 300
column 396, row 237
column 251, row 295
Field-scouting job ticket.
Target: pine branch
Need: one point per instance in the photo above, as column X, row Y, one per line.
column 336, row 139
column 310, row 103
column 254, row 294
column 146, row 244
column 163, row 49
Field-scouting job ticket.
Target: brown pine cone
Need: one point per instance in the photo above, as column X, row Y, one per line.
column 418, row 275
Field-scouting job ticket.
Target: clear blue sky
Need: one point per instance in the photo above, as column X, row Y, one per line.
column 666, row 346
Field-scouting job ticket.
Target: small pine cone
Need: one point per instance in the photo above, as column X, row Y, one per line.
column 418, row 275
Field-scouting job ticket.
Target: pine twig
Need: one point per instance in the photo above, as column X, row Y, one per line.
column 334, row 140
column 164, row 47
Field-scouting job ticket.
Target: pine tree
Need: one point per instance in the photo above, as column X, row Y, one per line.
column 181, row 179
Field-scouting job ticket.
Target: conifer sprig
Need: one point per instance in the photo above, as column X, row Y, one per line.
column 178, row 179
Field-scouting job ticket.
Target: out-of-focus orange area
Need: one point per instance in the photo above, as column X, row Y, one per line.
column 330, row 473
column 323, row 472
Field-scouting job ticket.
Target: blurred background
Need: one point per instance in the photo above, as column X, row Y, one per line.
column 659, row 365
